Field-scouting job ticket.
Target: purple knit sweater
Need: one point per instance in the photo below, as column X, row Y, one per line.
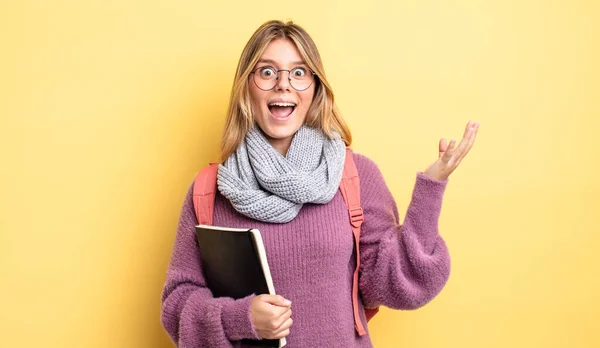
column 403, row 266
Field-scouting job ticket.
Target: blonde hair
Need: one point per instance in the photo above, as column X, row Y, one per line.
column 322, row 114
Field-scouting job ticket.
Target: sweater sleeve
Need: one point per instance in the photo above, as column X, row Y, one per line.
column 191, row 316
column 403, row 266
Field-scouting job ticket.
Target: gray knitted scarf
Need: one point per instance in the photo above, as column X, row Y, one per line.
column 266, row 186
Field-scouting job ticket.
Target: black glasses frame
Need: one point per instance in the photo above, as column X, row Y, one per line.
column 253, row 72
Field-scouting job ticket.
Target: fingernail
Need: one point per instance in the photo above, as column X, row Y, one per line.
column 287, row 302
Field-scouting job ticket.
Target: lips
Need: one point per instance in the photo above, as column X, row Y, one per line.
column 281, row 110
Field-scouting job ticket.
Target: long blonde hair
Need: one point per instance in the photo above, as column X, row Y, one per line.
column 322, row 114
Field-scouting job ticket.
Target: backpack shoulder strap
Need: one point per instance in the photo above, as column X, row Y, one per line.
column 205, row 186
column 350, row 188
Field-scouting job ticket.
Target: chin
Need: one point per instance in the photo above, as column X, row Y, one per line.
column 280, row 129
column 277, row 132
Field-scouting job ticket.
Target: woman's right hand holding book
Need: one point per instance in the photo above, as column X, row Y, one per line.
column 271, row 316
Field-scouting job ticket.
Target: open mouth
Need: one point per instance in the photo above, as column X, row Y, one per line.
column 281, row 110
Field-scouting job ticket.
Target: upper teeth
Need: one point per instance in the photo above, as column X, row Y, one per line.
column 282, row 104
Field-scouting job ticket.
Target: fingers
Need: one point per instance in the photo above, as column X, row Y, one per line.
column 468, row 139
column 465, row 144
column 449, row 151
column 280, row 315
column 442, row 147
column 282, row 321
column 279, row 327
column 468, row 128
column 284, row 330
column 271, row 316
column 472, row 139
column 277, row 300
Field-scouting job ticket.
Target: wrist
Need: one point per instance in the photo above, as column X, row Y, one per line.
column 434, row 176
column 237, row 321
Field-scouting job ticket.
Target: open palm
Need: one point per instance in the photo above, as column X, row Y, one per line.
column 449, row 156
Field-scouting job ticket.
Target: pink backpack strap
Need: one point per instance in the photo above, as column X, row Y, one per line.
column 205, row 186
column 350, row 188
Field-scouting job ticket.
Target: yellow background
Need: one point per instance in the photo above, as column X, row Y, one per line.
column 108, row 109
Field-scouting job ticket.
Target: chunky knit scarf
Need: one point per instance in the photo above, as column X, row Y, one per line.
column 266, row 186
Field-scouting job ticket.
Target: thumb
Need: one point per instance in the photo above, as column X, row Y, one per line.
column 443, row 147
column 278, row 300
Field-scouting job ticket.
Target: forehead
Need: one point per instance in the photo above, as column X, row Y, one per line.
column 281, row 52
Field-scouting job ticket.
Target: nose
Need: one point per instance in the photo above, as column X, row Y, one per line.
column 283, row 81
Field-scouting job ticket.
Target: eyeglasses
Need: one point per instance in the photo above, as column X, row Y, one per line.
column 266, row 77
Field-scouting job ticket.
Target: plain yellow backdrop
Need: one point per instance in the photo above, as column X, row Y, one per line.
column 109, row 108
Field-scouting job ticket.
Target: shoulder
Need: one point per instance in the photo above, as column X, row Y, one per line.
column 366, row 167
column 188, row 201
column 375, row 195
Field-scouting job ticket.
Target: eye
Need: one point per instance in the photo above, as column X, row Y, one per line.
column 267, row 72
column 299, row 72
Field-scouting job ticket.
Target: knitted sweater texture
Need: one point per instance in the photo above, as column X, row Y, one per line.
column 403, row 266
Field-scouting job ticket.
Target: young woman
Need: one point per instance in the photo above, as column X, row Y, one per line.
column 283, row 151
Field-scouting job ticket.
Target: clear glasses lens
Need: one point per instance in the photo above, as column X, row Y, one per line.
column 300, row 78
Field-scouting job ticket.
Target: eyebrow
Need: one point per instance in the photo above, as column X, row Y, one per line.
column 270, row 61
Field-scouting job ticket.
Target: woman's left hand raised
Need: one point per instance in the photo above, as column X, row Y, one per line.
column 450, row 157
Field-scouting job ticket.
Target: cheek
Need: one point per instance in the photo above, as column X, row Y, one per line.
column 253, row 95
column 256, row 100
column 307, row 100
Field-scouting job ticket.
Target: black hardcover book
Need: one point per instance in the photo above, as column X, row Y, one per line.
column 235, row 265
